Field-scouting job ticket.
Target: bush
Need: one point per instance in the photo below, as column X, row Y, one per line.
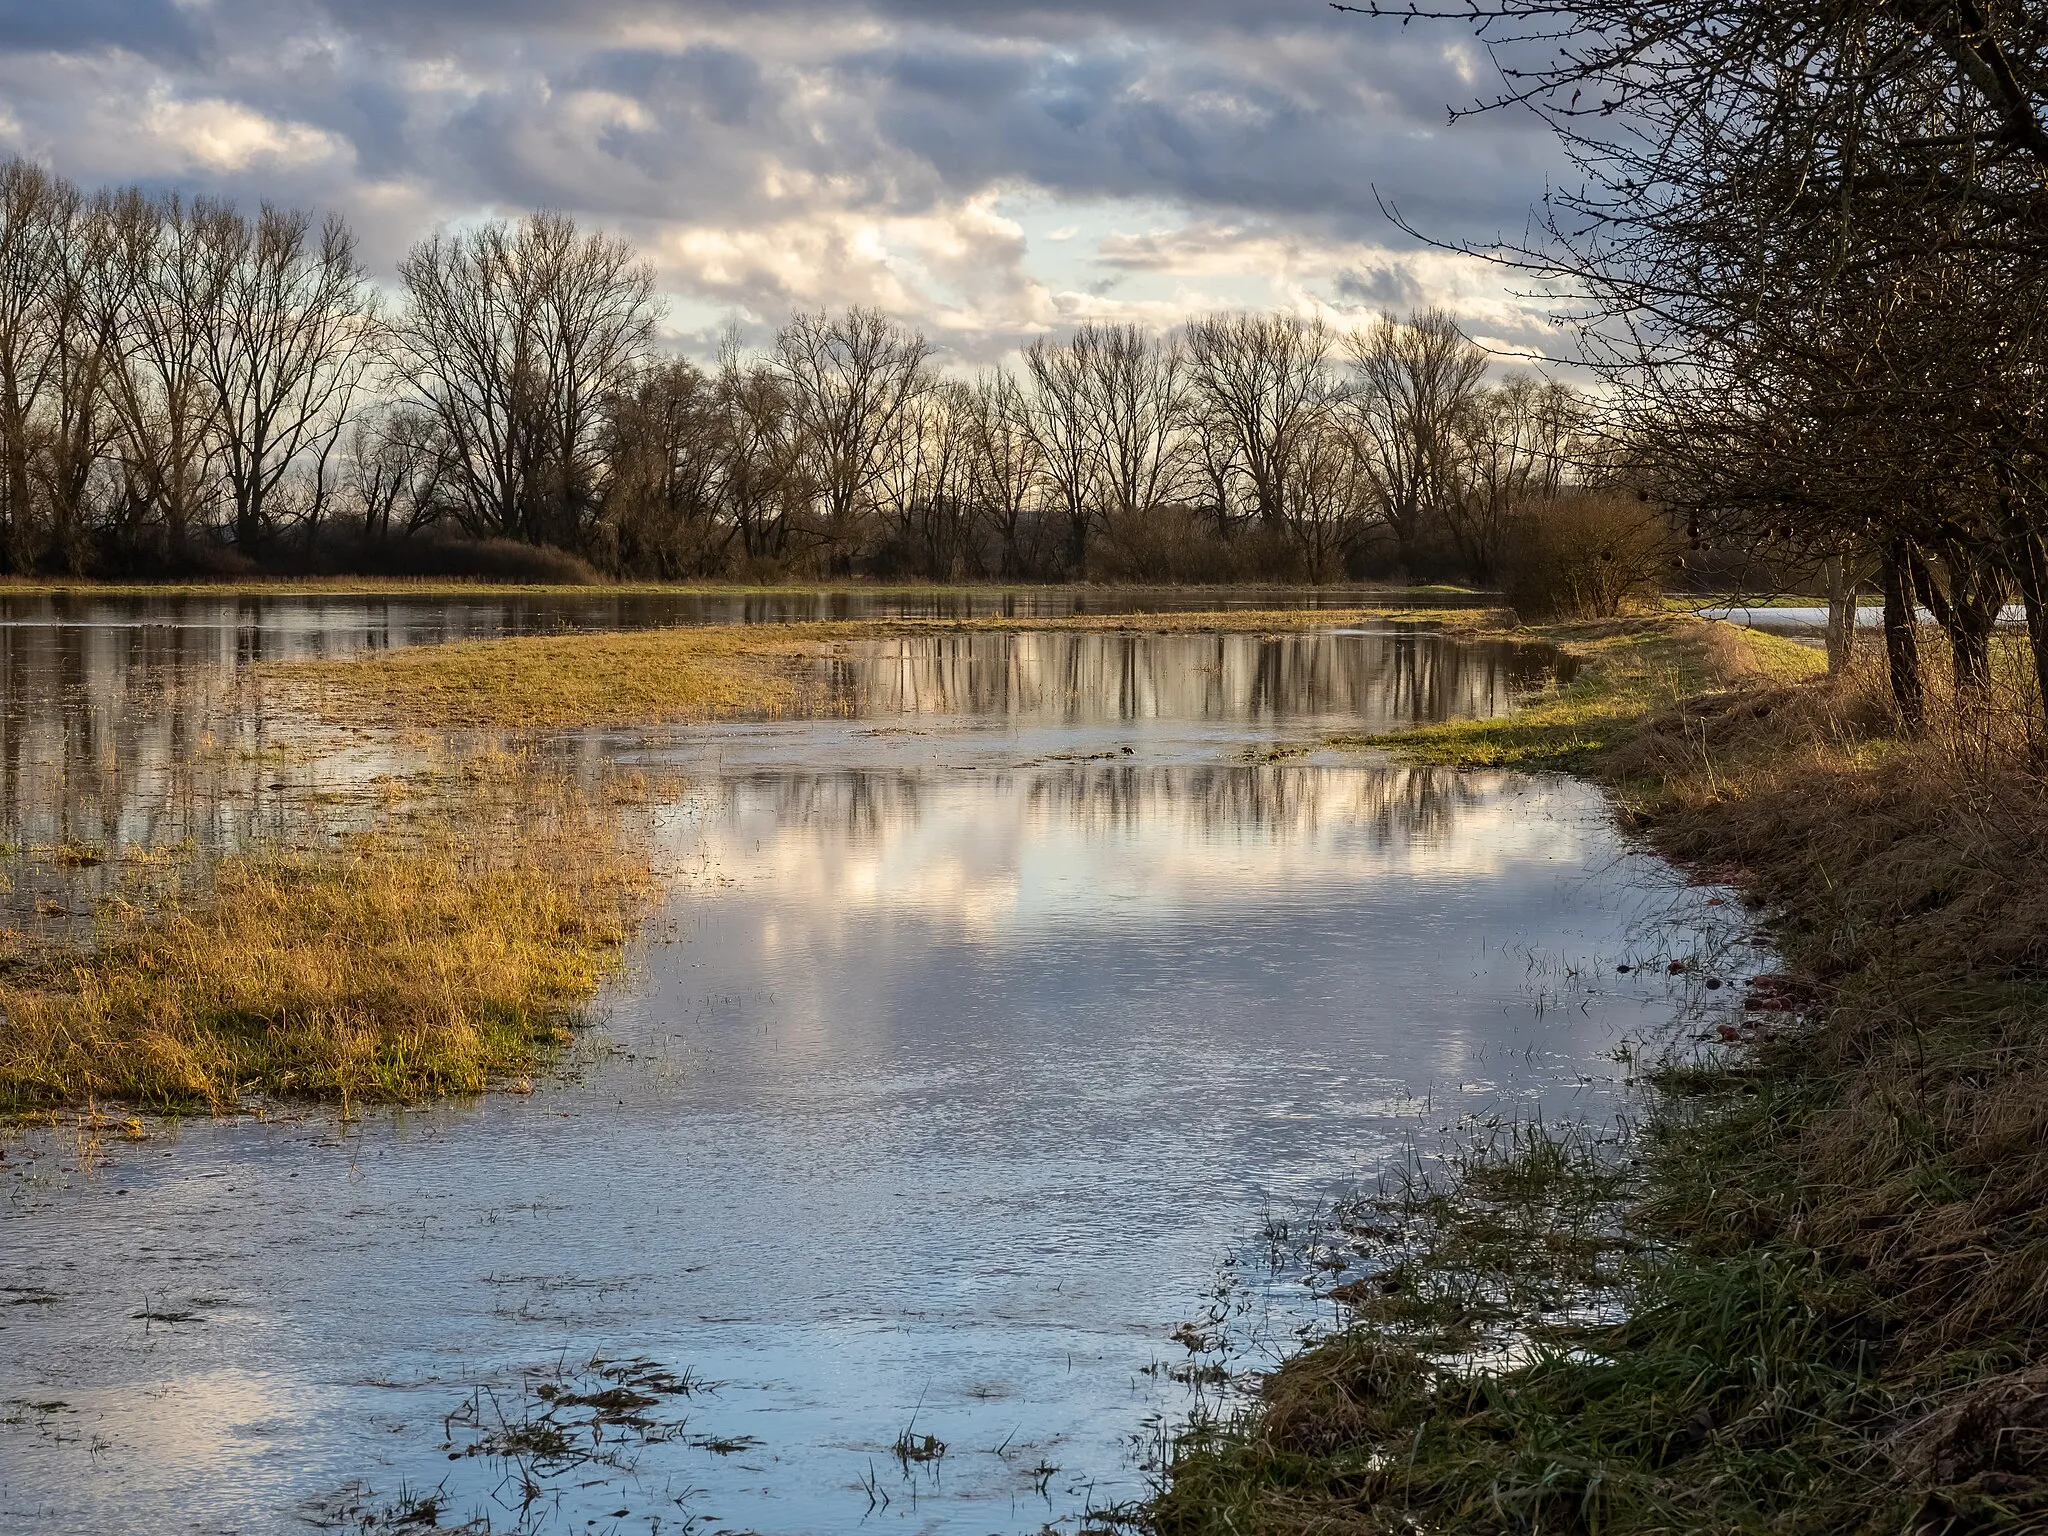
column 1166, row 544
column 341, row 548
column 1586, row 555
column 505, row 560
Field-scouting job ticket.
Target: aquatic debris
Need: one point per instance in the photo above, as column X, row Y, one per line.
column 355, row 1507
column 912, row 1449
column 564, row 1419
column 918, row 1448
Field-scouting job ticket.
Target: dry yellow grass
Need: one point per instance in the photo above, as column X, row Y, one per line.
column 391, row 967
column 549, row 682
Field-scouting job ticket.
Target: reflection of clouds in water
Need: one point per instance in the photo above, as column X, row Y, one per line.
column 226, row 1420
column 1003, row 858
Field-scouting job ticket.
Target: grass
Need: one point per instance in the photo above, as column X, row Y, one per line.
column 433, row 955
column 548, row 682
column 1627, row 668
column 1824, row 1254
column 684, row 674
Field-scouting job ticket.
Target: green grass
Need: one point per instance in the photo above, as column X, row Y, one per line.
column 1726, row 1398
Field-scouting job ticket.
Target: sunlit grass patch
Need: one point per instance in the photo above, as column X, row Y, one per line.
column 1627, row 668
column 397, row 965
column 541, row 682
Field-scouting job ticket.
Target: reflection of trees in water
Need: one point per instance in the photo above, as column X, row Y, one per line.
column 119, row 727
column 1390, row 803
column 1377, row 680
column 114, row 727
column 126, row 735
column 857, row 804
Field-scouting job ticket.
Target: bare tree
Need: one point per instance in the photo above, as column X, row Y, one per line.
column 1516, row 447
column 37, row 215
column 398, row 468
column 853, row 383
column 765, row 484
column 1261, row 388
column 164, row 303
column 298, row 330
column 662, row 449
column 1007, row 467
column 1414, row 384
column 1331, row 498
column 514, row 338
column 1135, row 387
column 1063, row 431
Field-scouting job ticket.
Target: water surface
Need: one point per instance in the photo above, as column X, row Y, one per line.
column 979, row 1039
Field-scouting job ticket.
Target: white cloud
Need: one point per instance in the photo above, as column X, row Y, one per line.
column 982, row 171
column 224, row 136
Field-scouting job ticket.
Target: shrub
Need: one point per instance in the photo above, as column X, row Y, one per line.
column 1170, row 544
column 1585, row 555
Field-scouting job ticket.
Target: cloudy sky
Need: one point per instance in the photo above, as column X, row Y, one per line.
column 989, row 169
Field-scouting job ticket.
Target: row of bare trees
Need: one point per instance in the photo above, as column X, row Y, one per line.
column 183, row 383
column 1811, row 238
column 1245, row 443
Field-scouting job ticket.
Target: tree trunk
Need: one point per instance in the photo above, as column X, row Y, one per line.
column 2031, row 572
column 1841, row 618
column 1901, row 638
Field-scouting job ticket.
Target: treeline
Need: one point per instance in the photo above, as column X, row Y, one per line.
column 1814, row 238
column 185, row 385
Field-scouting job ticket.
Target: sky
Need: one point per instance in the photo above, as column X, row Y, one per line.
column 987, row 170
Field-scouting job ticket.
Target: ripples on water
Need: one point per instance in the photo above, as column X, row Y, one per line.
column 978, row 1035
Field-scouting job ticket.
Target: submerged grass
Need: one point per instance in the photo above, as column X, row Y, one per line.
column 432, row 955
column 1825, row 1252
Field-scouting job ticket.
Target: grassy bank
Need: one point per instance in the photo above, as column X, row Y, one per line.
column 686, row 674
column 447, row 948
column 1827, row 1245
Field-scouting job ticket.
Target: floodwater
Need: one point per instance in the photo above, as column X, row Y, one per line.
column 1810, row 622
column 276, row 626
column 953, row 1098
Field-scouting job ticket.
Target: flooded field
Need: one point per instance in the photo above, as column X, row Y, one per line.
column 946, row 1141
